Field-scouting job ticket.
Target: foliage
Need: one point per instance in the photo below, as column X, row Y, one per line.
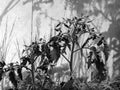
column 10, row 69
column 95, row 42
column 50, row 51
column 69, row 32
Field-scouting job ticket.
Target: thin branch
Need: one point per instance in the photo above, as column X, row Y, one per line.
column 81, row 49
column 65, row 57
column 13, row 5
column 27, row 68
column 77, row 50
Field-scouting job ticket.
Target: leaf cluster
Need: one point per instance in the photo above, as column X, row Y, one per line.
column 11, row 70
column 49, row 52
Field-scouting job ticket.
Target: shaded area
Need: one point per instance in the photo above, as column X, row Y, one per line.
column 78, row 5
column 110, row 11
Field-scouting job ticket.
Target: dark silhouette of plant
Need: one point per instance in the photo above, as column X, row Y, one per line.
column 2, row 64
column 69, row 31
column 49, row 52
column 10, row 69
column 109, row 11
column 76, row 27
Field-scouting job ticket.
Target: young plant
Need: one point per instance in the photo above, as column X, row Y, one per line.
column 69, row 32
column 95, row 43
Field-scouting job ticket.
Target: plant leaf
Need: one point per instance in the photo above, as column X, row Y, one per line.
column 19, row 71
column 100, row 41
column 1, row 73
column 12, row 78
column 2, row 64
column 25, row 60
column 66, row 25
column 90, row 59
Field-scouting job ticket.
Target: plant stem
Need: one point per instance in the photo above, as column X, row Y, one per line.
column 71, row 58
column 33, row 80
column 65, row 58
column 2, row 84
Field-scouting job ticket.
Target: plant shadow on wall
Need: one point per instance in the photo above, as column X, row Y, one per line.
column 111, row 14
column 36, row 3
column 38, row 8
column 114, row 31
column 8, row 8
column 78, row 5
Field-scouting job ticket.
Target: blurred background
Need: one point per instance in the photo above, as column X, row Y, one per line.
column 23, row 21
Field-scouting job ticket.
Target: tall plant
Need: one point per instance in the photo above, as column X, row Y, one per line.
column 95, row 43
column 69, row 32
column 49, row 52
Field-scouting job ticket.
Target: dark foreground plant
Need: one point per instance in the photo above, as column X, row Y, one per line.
column 10, row 69
column 69, row 32
column 68, row 39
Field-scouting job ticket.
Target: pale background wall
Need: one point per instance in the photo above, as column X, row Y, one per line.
column 46, row 13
